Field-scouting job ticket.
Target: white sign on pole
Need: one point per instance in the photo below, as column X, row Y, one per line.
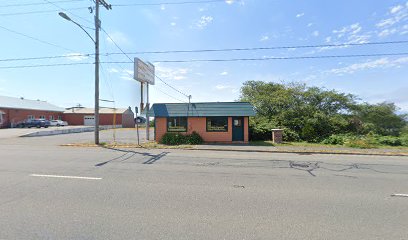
column 144, row 72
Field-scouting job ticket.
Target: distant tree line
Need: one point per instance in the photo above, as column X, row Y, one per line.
column 314, row 114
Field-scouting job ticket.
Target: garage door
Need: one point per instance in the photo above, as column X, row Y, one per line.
column 89, row 120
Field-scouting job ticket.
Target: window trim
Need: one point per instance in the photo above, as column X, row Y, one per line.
column 167, row 125
column 206, row 125
column 30, row 117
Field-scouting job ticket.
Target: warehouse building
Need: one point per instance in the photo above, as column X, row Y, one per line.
column 120, row 117
column 15, row 110
column 214, row 121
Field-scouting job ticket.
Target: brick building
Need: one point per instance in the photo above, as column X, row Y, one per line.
column 214, row 121
column 107, row 116
column 14, row 110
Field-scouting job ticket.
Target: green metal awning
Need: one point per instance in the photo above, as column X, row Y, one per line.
column 206, row 109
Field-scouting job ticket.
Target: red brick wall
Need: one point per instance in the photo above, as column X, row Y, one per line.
column 128, row 120
column 160, row 128
column 13, row 116
column 104, row 119
column 246, row 129
column 198, row 124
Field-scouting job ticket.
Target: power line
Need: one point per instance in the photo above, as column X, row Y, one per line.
column 115, row 5
column 169, row 95
column 36, row 39
column 37, row 12
column 267, row 48
column 193, row 51
column 131, row 60
column 66, row 10
column 167, row 3
column 37, row 3
column 175, row 89
column 216, row 60
column 45, row 65
column 221, row 60
column 285, row 58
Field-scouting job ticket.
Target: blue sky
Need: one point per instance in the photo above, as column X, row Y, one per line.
column 216, row 25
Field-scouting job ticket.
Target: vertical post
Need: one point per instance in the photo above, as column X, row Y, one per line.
column 97, row 26
column 141, row 97
column 147, row 112
column 137, row 126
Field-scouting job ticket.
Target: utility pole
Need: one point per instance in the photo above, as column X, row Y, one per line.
column 97, row 28
column 147, row 112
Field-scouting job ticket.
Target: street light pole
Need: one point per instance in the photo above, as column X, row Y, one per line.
column 97, row 26
column 96, row 41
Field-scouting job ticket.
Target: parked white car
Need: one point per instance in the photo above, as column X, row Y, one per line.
column 58, row 123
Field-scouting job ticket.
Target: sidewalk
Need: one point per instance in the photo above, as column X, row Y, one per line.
column 301, row 150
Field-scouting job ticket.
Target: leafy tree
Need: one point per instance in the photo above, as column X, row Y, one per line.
column 313, row 114
column 380, row 118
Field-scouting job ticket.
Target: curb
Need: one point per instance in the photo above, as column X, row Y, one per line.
column 254, row 151
column 299, row 152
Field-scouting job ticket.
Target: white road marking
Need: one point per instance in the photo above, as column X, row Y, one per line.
column 61, row 176
column 399, row 195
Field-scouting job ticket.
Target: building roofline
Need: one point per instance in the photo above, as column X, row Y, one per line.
column 201, row 102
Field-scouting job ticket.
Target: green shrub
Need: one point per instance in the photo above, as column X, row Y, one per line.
column 290, row 135
column 194, row 139
column 179, row 139
column 335, row 140
column 390, row 141
column 173, row 139
column 359, row 143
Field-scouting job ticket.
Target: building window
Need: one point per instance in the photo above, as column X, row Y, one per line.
column 30, row 117
column 177, row 124
column 59, row 118
column 42, row 117
column 1, row 118
column 217, row 124
column 51, row 117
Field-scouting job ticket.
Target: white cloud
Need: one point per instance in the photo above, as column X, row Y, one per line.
column 310, row 24
column 173, row 24
column 76, row 56
column 387, row 32
column 163, row 7
column 391, row 25
column 347, row 35
column 300, row 15
column 396, row 15
column 119, row 37
column 113, row 70
column 172, row 73
column 224, row 73
column 315, row 33
column 396, row 9
column 229, row 2
column 264, row 38
column 204, row 21
column 221, row 87
column 372, row 64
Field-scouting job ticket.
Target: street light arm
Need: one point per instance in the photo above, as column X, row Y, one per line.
column 65, row 16
column 83, row 29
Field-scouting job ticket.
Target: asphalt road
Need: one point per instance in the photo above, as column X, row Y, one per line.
column 53, row 192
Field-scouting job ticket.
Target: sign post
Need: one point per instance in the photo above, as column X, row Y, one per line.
column 145, row 74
